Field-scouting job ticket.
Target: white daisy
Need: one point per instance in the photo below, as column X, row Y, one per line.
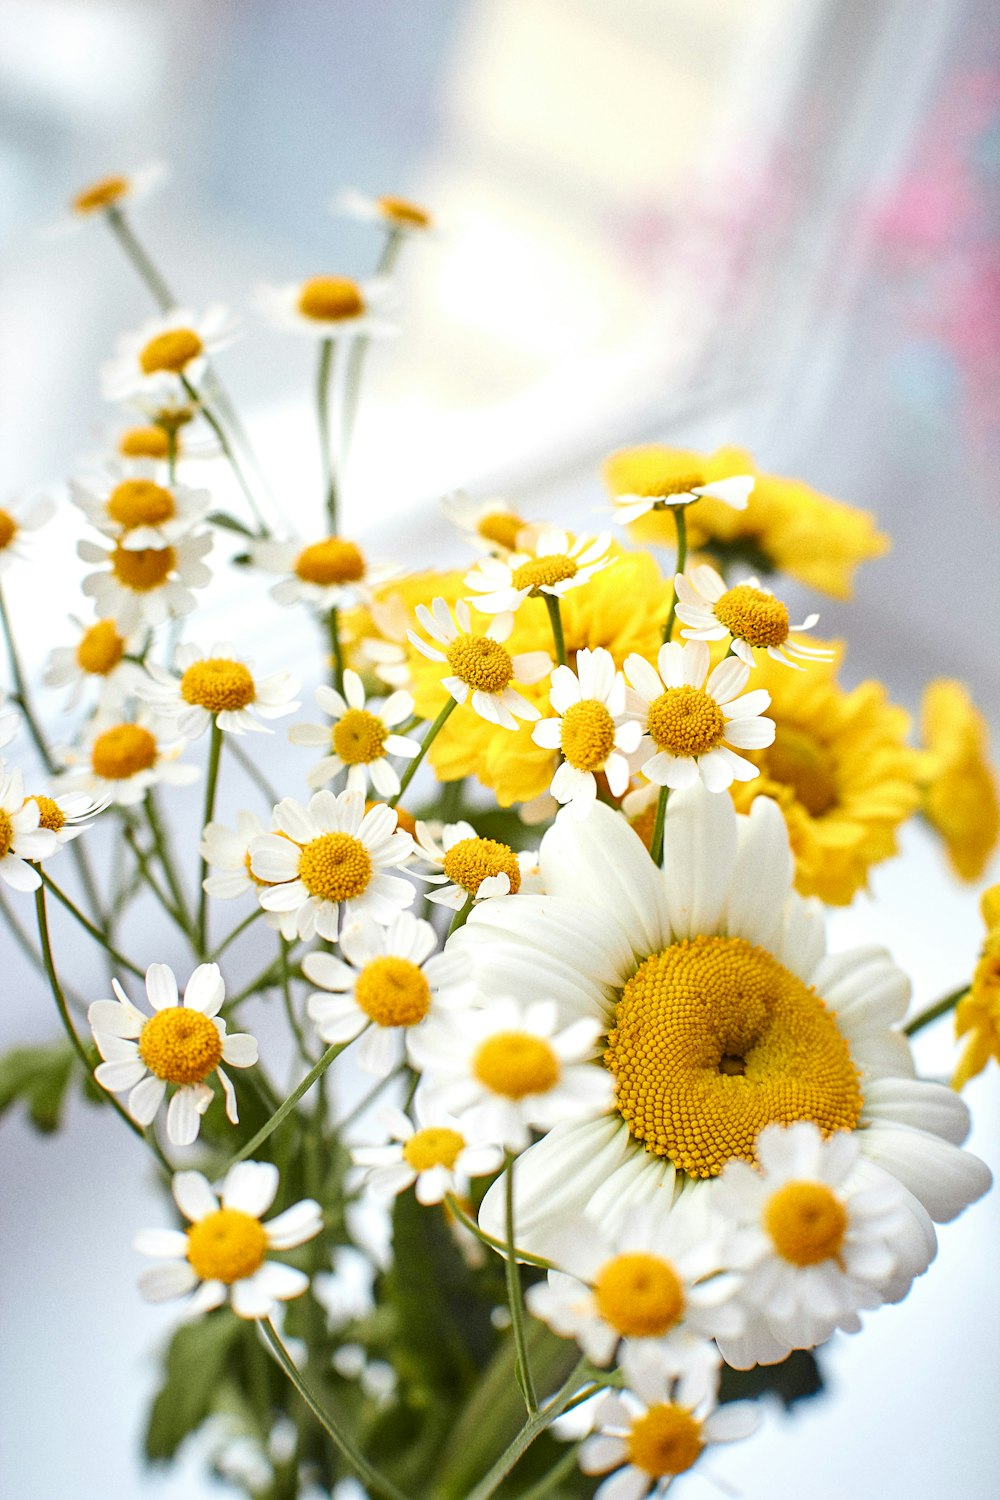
column 117, row 191
column 138, row 510
column 333, row 855
column 17, row 522
column 361, row 737
column 552, row 565
column 68, row 815
column 691, row 720
column 590, row 729
column 511, row 1068
column 479, row 664
column 218, row 687
column 434, row 1153
column 748, row 613
column 469, row 866
column 22, row 836
column 328, row 307
column 490, row 525
column 121, row 761
column 392, row 983
column 329, row 574
column 166, row 355
column 149, row 586
column 223, row 1252
column 385, row 653
column 395, row 215
column 183, row 1043
column 228, row 851
column 99, row 658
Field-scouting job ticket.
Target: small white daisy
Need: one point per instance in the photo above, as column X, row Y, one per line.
column 490, row 525
column 662, row 479
column 553, row 564
column 385, row 653
column 480, row 664
column 469, row 866
column 333, row 855
column 116, row 191
column 361, row 737
column 510, row 1069
column 23, row 838
column 223, row 1252
column 328, row 307
column 217, row 686
column 98, row 659
column 183, row 1043
column 228, row 851
column 748, row 613
column 68, row 815
column 392, row 983
column 590, row 729
column 120, row 762
column 691, row 720
column 433, row 1153
column 395, row 215
column 17, row 522
column 136, row 509
column 149, row 586
column 332, row 573
column 167, row 354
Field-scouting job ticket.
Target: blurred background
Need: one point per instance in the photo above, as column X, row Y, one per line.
column 694, row 221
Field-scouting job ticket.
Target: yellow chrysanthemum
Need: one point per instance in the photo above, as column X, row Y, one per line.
column 960, row 795
column 840, row 770
column 979, row 1011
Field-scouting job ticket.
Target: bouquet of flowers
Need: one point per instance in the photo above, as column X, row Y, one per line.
column 572, row 1137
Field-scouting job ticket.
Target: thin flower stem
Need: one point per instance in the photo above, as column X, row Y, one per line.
column 680, row 520
column 324, row 376
column 487, row 1239
column 935, row 1011
column 171, row 454
column 532, row 1429
column 336, row 653
column 162, row 845
column 258, row 778
column 87, row 924
column 515, row 1299
column 375, row 1481
column 656, row 842
column 127, row 238
column 551, row 1481
column 555, row 620
column 142, row 860
column 425, row 745
column 368, row 1099
column 286, row 995
column 231, row 937
column 222, row 438
column 461, row 916
column 211, row 782
column 284, row 1109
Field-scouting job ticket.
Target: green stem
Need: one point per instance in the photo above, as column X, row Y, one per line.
column 934, row 1012
column 214, row 756
column 555, row 620
column 532, row 1429
column 171, row 454
column 680, row 520
column 375, row 1481
column 461, row 916
column 29, row 950
column 286, row 995
column 142, row 860
column 336, row 653
column 85, row 922
column 287, row 1106
column 126, row 237
column 258, row 778
column 222, row 438
column 324, row 375
column 487, row 1239
column 231, row 937
column 162, row 846
column 368, row 1099
column 656, row 842
column 551, row 1481
column 515, row 1299
column 425, row 745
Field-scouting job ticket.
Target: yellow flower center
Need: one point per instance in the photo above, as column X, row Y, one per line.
column 437, row 1146
column 172, row 351
column 543, row 570
column 218, row 684
column 393, row 992
column 144, row 442
column 686, row 721
column 50, row 814
column 139, row 502
column 359, row 737
column 587, row 735
column 713, row 1040
column 481, row 663
column 470, row 861
column 799, row 761
column 402, row 211
column 101, row 648
column 330, row 561
column 516, row 1064
column 330, row 299
column 640, row 1295
column 8, row 529
column 666, row 1439
column 500, row 527
column 753, row 616
column 144, row 569
column 807, row 1223
column 6, row 834
column 226, row 1246
column 652, row 472
column 122, row 751
column 180, row 1045
column 101, row 194
column 335, row 867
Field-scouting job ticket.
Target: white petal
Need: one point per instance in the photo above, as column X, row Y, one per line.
column 250, row 1186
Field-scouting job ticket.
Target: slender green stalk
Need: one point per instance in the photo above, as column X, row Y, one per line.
column 368, row 1099
column 127, row 238
column 286, row 995
column 357, row 349
column 515, row 1299
column 680, row 519
column 656, row 842
column 551, row 1481
column 487, row 1239
column 171, row 454
column 532, row 1429
column 231, row 937
column 258, row 778
column 265, row 980
column 142, row 857
column 222, row 437
column 555, row 620
column 285, row 1109
column 336, row 654
column 425, row 745
column 324, row 375
column 211, row 782
column 462, row 915
column 935, row 1011
column 85, row 922
column 162, row 845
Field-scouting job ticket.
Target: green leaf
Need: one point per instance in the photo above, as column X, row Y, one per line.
column 229, row 523
column 195, row 1363
column 39, row 1078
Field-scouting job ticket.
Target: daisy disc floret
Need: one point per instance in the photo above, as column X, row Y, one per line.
column 360, row 739
column 658, row 478
column 482, row 670
column 24, row 839
column 331, row 573
column 470, row 867
column 18, row 520
column 489, row 525
column 328, row 307
column 591, row 730
column 747, row 613
column 180, row 1046
column 145, row 586
column 166, row 355
column 118, row 190
column 430, row 1151
column 217, row 686
column 554, row 564
column 222, row 1255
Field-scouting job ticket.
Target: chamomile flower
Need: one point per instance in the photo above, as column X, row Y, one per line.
column 332, row 573
column 658, row 478
column 332, row 856
column 148, row 586
column 121, row 761
column 328, row 307
column 692, row 720
column 18, row 519
column 470, row 867
column 748, row 613
column 590, row 729
column 480, row 664
column 183, row 1043
column 433, row 1153
column 361, row 737
column 138, row 511
column 22, row 835
column 99, row 660
column 554, row 564
column 490, row 525
column 395, row 215
column 228, row 851
column 166, row 355
column 68, row 815
column 119, row 190
column 223, row 1252
column 512, row 1068
column 392, row 982
column 219, row 687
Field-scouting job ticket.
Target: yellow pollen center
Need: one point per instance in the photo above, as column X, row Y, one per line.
column 666, row 1439
column 122, row 751
column 470, row 861
column 218, row 684
column 799, row 761
column 180, row 1045
column 6, row 834
column 393, row 992
column 501, row 527
column 543, row 571
column 8, row 529
column 587, row 735
column 807, row 1223
column 226, row 1246
column 101, row 648
column 515, row 1064
column 651, row 473
column 640, row 1295
column 144, row 569
column 753, row 616
column 330, row 561
column 359, row 737
column 335, row 867
column 144, row 442
column 686, row 721
column 402, row 211
column 437, row 1146
column 172, row 351
column 330, row 299
column 101, row 194
column 713, row 1040
column 139, row 502
column 50, row 814
column 481, row 663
